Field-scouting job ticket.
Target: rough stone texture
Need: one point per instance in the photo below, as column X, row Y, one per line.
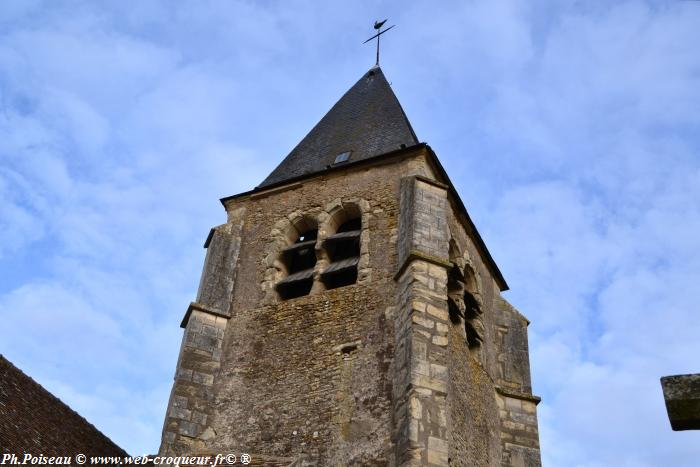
column 327, row 219
column 511, row 348
column 187, row 424
column 518, row 428
column 310, row 377
column 421, row 375
column 219, row 274
column 423, row 220
column 483, row 379
column 682, row 395
column 188, row 419
column 375, row 373
column 519, row 431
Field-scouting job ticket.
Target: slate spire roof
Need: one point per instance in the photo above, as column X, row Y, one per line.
column 367, row 121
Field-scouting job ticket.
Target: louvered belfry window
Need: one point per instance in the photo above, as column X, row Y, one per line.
column 299, row 259
column 463, row 306
column 472, row 320
column 343, row 250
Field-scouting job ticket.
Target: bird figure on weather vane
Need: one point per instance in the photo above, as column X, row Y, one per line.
column 378, row 26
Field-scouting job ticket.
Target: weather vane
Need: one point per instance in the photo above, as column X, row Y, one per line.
column 378, row 25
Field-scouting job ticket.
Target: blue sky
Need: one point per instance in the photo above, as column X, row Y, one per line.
column 571, row 130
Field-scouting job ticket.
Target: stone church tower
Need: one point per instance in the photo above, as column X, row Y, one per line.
column 349, row 313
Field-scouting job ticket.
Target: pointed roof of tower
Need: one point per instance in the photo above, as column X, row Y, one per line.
column 367, row 121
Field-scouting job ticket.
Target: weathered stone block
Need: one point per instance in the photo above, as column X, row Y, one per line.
column 177, row 412
column 682, row 396
column 189, row 429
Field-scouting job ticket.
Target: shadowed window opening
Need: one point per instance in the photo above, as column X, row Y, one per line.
column 340, row 279
column 454, row 311
column 301, row 255
column 473, row 339
column 294, row 289
column 472, row 320
column 348, row 226
column 349, row 348
column 343, row 250
column 471, row 306
column 463, row 305
column 455, row 287
column 306, row 236
column 299, row 259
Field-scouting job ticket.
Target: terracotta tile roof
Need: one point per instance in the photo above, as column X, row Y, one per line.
column 34, row 421
column 367, row 121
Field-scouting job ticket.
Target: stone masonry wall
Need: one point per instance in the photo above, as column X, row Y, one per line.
column 189, row 411
column 517, row 405
column 422, row 324
column 374, row 373
column 188, row 418
column 472, row 406
column 421, row 377
column 492, row 412
column 311, row 378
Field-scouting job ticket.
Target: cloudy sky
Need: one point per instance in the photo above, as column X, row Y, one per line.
column 570, row 128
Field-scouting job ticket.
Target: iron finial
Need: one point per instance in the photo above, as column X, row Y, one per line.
column 378, row 26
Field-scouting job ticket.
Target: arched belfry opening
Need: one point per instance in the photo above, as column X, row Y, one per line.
column 463, row 305
column 299, row 260
column 473, row 325
column 342, row 248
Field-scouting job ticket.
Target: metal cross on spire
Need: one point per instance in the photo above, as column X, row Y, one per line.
column 378, row 26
